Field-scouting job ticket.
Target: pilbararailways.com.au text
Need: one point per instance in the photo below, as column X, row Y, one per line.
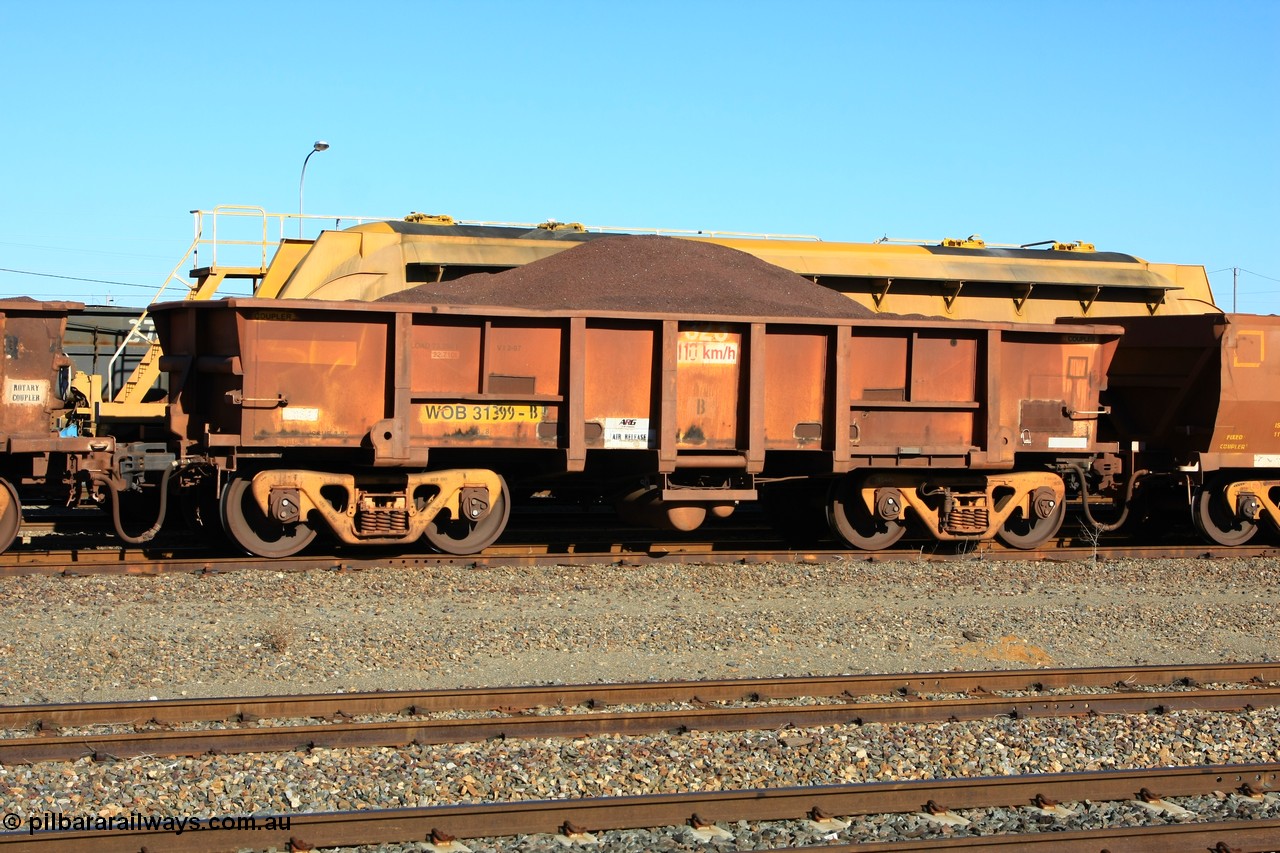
column 134, row 822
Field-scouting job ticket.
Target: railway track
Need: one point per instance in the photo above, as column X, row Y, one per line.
column 545, row 712
column 177, row 559
column 551, row 536
column 71, row 732
column 588, row 817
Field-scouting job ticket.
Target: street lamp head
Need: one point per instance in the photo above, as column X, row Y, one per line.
column 318, row 145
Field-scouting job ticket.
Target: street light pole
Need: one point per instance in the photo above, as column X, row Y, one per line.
column 320, row 145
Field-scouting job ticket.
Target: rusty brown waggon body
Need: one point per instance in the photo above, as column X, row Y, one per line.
column 385, row 423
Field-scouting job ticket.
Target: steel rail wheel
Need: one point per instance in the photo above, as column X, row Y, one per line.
column 460, row 536
column 1215, row 520
column 1026, row 534
column 247, row 525
column 854, row 523
column 10, row 515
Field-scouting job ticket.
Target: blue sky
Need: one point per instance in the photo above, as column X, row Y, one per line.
column 1147, row 128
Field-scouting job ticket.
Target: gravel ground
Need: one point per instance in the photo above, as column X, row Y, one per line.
column 327, row 780
column 104, row 637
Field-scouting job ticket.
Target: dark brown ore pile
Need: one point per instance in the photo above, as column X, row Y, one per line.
column 648, row 274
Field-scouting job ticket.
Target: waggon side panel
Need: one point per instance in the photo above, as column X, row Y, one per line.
column 709, row 387
column 858, row 392
column 621, row 377
column 795, row 388
column 317, row 383
column 1052, row 388
column 491, row 382
column 903, row 405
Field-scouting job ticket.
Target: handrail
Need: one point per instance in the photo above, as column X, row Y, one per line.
column 278, row 220
column 750, row 235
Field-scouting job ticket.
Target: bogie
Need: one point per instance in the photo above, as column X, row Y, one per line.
column 1023, row 509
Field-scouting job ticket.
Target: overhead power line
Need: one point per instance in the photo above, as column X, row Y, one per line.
column 1260, row 275
column 78, row 278
column 1242, row 269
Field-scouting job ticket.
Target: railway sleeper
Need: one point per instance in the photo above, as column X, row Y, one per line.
column 456, row 510
column 1023, row 509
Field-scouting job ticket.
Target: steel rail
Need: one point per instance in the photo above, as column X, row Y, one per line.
column 1238, row 836
column 618, row 813
column 417, row 702
column 18, row 562
column 401, row 733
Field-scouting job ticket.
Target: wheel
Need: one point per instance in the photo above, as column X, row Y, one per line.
column 247, row 525
column 854, row 523
column 1215, row 520
column 10, row 515
column 1025, row 534
column 460, row 536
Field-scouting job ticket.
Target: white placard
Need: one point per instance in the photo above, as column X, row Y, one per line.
column 628, row 433
column 26, row 392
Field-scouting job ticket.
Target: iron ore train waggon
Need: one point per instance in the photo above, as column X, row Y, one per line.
column 384, row 424
column 422, row 422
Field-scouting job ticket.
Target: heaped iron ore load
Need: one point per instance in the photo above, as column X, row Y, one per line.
column 392, row 421
column 651, row 274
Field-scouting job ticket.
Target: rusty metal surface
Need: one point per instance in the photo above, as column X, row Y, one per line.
column 1242, row 836
column 1200, row 386
column 487, row 378
column 32, row 336
column 49, row 746
column 523, row 818
column 712, row 402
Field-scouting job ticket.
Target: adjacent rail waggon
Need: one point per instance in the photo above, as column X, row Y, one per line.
column 1194, row 403
column 49, row 454
column 386, row 424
